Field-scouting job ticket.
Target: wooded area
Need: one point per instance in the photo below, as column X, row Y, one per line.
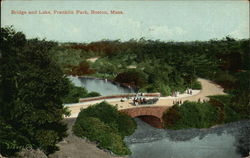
column 34, row 83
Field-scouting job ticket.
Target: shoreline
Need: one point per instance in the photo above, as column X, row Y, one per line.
column 240, row 130
column 108, row 80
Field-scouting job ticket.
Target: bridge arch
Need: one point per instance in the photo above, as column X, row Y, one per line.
column 150, row 114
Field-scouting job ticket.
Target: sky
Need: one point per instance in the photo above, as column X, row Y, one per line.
column 188, row 20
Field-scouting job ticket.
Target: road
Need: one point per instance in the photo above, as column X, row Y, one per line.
column 208, row 88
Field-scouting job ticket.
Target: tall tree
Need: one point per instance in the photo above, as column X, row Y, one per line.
column 32, row 89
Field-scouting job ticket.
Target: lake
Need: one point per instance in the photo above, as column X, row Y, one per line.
column 101, row 86
column 221, row 142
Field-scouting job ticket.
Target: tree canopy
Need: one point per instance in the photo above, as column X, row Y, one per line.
column 32, row 88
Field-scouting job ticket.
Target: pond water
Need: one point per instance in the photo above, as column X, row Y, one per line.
column 101, row 86
column 150, row 142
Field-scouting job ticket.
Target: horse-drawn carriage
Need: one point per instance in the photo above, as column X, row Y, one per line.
column 141, row 101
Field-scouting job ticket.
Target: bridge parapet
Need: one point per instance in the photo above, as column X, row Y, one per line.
column 81, row 100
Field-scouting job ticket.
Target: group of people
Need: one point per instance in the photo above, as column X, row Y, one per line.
column 179, row 102
column 188, row 91
column 137, row 101
column 138, row 98
column 204, row 100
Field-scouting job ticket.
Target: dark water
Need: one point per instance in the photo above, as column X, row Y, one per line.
column 101, row 86
column 220, row 142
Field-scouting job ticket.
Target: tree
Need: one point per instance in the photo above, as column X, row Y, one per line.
column 82, row 69
column 132, row 77
column 32, row 88
column 241, row 98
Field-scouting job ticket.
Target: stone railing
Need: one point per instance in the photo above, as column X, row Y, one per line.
column 81, row 100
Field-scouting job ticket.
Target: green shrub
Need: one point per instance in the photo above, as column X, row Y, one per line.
column 75, row 93
column 126, row 125
column 105, row 125
column 191, row 115
column 196, row 85
column 219, row 109
column 171, row 117
column 231, row 111
column 231, row 115
column 93, row 94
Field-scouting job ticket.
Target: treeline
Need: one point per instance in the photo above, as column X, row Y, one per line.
column 156, row 66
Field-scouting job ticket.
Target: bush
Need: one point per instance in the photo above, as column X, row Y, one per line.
column 75, row 93
column 126, row 125
column 220, row 109
column 93, row 94
column 228, row 108
column 196, row 85
column 191, row 115
column 105, row 125
column 171, row 117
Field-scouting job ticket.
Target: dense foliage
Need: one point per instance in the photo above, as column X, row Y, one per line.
column 220, row 109
column 191, row 115
column 229, row 110
column 32, row 89
column 78, row 92
column 105, row 125
column 131, row 78
column 156, row 66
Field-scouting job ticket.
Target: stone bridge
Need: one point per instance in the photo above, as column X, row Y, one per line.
column 150, row 114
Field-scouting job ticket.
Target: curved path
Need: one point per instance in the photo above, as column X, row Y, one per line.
column 208, row 88
column 73, row 146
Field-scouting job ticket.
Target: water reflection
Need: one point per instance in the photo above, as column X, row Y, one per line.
column 149, row 142
column 101, row 86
